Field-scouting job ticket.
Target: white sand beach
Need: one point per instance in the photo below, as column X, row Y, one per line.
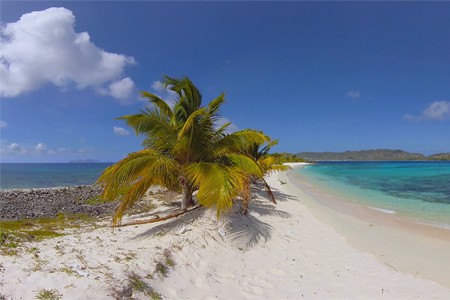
column 283, row 251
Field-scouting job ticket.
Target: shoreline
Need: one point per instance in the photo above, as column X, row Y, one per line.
column 410, row 246
column 404, row 207
column 281, row 251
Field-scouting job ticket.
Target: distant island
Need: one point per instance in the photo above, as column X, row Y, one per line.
column 371, row 155
column 85, row 161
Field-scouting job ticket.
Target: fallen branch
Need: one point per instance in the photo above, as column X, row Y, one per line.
column 159, row 219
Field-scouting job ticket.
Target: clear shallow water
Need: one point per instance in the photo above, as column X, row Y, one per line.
column 15, row 176
column 419, row 190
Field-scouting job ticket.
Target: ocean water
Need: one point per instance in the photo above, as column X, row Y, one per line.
column 417, row 190
column 18, row 176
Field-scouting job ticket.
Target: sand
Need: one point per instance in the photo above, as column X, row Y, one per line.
column 283, row 251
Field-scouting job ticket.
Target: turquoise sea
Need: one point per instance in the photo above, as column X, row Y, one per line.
column 417, row 190
column 38, row 175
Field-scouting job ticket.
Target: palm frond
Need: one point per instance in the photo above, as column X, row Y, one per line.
column 266, row 149
column 245, row 163
column 190, row 122
column 217, row 184
column 240, row 140
column 189, row 95
column 159, row 103
column 221, row 129
column 215, row 104
column 270, row 164
column 136, row 166
column 134, row 194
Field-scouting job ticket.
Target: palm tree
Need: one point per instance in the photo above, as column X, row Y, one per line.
column 183, row 151
column 267, row 164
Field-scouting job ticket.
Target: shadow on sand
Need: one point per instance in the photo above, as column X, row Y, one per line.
column 242, row 232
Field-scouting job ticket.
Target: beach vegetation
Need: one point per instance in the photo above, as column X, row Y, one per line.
column 9, row 242
column 185, row 151
column 285, row 157
column 168, row 258
column 43, row 227
column 69, row 271
column 137, row 283
column 38, row 263
column 14, row 233
column 161, row 269
column 52, row 294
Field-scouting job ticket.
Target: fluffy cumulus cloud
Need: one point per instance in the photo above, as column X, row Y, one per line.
column 13, row 148
column 3, row 124
column 353, row 94
column 437, row 110
column 120, row 131
column 43, row 47
column 122, row 90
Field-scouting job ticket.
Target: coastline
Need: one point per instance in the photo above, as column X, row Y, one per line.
column 283, row 251
column 410, row 246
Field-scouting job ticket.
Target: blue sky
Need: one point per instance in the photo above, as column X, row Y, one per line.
column 326, row 76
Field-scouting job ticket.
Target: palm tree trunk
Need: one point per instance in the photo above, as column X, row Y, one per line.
column 244, row 206
column 186, row 201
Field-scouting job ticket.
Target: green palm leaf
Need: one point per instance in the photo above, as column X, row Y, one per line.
column 217, row 184
column 136, row 166
column 158, row 102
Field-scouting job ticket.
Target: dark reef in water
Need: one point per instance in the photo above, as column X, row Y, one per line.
column 48, row 202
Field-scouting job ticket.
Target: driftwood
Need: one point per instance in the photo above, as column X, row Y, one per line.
column 159, row 219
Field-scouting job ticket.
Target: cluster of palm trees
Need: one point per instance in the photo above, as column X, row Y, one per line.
column 185, row 151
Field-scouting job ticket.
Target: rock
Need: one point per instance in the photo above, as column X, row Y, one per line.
column 30, row 203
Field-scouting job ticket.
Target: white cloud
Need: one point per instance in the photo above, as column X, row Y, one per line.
column 3, row 124
column 123, row 90
column 437, row 110
column 43, row 47
column 120, row 131
column 222, row 121
column 13, row 148
column 40, row 148
column 353, row 94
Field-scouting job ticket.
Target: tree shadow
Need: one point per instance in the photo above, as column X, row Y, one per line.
column 244, row 232
column 239, row 231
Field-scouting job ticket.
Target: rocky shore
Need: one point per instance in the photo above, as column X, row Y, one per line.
column 48, row 202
